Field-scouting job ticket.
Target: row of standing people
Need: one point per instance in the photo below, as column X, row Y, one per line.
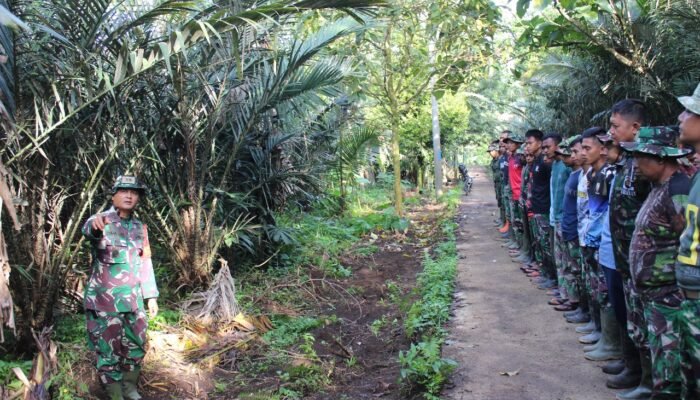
column 606, row 222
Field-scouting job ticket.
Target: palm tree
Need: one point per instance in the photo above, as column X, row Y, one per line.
column 91, row 89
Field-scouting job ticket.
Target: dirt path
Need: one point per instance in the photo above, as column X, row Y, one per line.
column 502, row 323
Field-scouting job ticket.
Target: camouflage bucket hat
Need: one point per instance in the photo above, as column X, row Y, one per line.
column 128, row 182
column 692, row 103
column 565, row 146
column 563, row 150
column 660, row 141
column 514, row 137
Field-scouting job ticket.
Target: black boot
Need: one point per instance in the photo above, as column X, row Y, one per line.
column 614, row 367
column 643, row 391
column 630, row 376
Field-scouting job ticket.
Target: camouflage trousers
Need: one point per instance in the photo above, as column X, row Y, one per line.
column 533, row 235
column 593, row 276
column 119, row 340
column 517, row 221
column 506, row 202
column 689, row 332
column 559, row 259
column 498, row 187
column 662, row 316
column 637, row 328
column 571, row 272
column 542, row 239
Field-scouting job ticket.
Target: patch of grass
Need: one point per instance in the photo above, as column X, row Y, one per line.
column 8, row 378
column 366, row 251
column 70, row 328
column 290, row 330
column 422, row 365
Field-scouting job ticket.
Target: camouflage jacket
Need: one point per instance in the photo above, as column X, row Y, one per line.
column 496, row 171
column 656, row 236
column 122, row 271
column 628, row 193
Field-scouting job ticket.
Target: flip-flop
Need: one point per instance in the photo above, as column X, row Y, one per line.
column 565, row 307
column 556, row 301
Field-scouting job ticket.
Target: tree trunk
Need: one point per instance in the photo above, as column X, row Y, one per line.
column 437, row 152
column 396, row 161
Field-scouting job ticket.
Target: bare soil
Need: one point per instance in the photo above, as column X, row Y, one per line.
column 361, row 362
column 502, row 323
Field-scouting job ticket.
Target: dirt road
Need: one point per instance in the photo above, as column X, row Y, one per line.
column 502, row 323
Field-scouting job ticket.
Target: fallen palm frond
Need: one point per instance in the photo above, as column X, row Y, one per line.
column 44, row 365
column 216, row 305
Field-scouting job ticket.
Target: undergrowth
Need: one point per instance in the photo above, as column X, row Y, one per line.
column 422, row 366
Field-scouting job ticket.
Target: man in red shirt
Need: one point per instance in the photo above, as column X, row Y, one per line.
column 515, row 168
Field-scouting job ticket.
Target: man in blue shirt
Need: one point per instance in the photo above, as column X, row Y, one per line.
column 599, row 179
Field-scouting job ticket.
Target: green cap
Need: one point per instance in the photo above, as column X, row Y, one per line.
column 660, row 141
column 514, row 137
column 128, row 182
column 520, row 150
column 692, row 103
column 493, row 147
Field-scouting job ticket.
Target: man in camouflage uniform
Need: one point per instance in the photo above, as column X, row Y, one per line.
column 688, row 263
column 528, row 256
column 629, row 191
column 566, row 229
column 505, row 188
column 121, row 281
column 653, row 251
column 515, row 168
column 560, row 174
column 494, row 152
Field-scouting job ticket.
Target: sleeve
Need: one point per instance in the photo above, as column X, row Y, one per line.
column 89, row 232
column 679, row 188
column 149, row 288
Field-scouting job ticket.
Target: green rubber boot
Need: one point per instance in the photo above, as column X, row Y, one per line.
column 643, row 391
column 609, row 346
column 131, row 380
column 114, row 391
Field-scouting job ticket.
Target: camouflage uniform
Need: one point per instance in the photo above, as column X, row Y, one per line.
column 540, row 200
column 688, row 278
column 653, row 252
column 528, row 246
column 122, row 277
column 572, row 285
column 515, row 169
column 628, row 193
column 497, row 184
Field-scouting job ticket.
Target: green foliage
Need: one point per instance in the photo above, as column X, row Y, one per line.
column 422, row 364
column 593, row 53
column 70, row 328
column 290, row 330
column 8, row 378
column 164, row 318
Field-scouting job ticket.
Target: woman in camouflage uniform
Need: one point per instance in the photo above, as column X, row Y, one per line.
column 653, row 251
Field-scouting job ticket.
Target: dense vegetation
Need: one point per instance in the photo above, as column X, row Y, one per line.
column 254, row 122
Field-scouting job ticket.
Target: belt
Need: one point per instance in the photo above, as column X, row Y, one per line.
column 691, row 294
